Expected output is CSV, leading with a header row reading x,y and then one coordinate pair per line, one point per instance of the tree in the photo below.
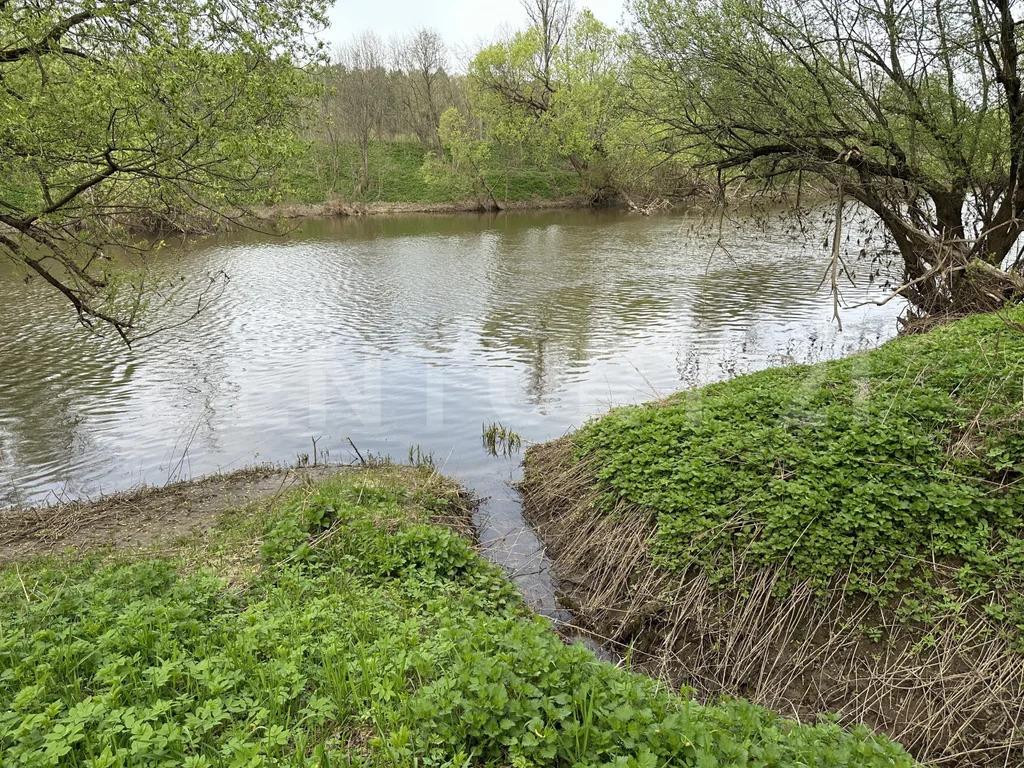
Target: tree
x,y
913,109
423,59
564,102
125,113
552,20
521,70
589,101
363,94
471,156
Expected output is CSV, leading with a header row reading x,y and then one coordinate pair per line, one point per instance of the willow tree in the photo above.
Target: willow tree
x,y
555,91
913,108
117,115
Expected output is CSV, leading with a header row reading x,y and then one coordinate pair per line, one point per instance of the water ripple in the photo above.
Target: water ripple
x,y
406,331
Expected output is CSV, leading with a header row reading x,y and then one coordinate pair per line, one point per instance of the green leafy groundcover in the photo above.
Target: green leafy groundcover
x,y
872,468
364,638
402,172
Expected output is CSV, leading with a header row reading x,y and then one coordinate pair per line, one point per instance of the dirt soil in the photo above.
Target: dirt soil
x,y
339,208
143,517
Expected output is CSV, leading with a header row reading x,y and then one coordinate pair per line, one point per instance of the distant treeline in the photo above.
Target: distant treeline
x,y
542,112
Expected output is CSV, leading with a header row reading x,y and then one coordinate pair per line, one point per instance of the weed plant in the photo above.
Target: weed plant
x,y
895,472
343,629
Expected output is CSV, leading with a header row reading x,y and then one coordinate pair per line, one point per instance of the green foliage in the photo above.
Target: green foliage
x,y
471,155
756,74
326,171
872,468
590,102
149,103
125,114
405,172
366,638
567,115
514,693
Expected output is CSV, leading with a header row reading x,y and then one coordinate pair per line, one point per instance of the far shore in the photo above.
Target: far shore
x,y
341,208
380,208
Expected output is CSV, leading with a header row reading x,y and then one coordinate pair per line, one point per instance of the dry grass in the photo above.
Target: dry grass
x,y
155,517
951,692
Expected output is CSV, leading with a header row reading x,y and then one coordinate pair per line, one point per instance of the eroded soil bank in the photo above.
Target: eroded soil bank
x,y
651,560
956,703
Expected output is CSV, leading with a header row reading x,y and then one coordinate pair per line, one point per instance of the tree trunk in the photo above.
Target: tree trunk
x,y
949,214
364,174
943,276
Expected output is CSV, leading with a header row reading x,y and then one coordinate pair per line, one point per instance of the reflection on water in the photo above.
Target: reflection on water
x,y
406,331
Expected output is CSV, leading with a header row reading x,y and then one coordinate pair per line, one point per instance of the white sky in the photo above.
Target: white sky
x,y
463,23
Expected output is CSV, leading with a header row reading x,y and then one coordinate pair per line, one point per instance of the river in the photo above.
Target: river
x,y
413,331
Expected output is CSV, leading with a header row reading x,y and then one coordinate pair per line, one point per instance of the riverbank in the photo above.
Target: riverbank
x,y
844,537
384,208
149,517
406,178
345,621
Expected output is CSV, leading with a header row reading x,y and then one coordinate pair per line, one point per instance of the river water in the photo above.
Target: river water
x,y
410,332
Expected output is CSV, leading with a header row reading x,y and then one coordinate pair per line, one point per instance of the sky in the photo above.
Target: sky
x,y
463,23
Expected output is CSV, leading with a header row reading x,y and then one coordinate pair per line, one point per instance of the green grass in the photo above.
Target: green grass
x,y
341,629
400,174
896,472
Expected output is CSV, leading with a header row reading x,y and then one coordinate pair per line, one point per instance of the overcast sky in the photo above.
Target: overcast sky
x,y
462,22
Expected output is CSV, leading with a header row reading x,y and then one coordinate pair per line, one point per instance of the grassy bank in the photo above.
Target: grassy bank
x,y
843,537
401,173
346,624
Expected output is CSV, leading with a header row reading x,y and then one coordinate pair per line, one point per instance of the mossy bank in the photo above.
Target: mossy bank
x,y
341,623
846,537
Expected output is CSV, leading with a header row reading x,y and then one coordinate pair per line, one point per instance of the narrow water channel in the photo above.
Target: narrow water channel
x,y
412,333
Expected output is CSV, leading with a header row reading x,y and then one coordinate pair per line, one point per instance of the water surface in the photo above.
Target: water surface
x,y
410,331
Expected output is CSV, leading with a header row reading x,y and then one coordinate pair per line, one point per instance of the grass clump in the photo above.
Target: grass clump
x,y
355,634
891,469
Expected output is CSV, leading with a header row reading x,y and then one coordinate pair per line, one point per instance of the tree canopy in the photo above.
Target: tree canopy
x,y
913,108
125,113
146,114
556,91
